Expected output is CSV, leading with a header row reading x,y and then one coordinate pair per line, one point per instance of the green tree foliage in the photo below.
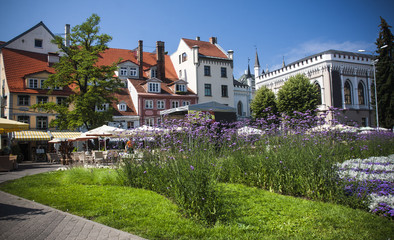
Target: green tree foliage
x,y
297,94
263,103
94,86
385,75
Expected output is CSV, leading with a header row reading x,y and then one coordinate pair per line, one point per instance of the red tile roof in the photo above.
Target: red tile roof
x,y
18,64
205,48
112,55
124,96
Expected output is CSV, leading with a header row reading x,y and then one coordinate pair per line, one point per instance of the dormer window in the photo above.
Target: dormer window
x,y
153,73
180,88
154,87
122,106
123,71
102,108
33,83
133,72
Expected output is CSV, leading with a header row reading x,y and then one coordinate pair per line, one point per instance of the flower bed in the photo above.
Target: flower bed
x,y
372,177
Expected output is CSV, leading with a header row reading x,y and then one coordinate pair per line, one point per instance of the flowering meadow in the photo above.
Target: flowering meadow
x,y
189,161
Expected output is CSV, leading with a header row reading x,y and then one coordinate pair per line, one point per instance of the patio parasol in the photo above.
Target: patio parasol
x,y
7,125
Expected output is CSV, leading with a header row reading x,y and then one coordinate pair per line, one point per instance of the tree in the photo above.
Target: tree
x,y
94,86
297,94
263,103
385,75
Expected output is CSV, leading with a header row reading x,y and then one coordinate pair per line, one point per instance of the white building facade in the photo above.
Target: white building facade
x,y
344,80
207,69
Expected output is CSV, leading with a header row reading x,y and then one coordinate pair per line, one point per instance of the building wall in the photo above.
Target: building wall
x,y
193,72
331,70
187,68
154,113
26,41
242,94
216,81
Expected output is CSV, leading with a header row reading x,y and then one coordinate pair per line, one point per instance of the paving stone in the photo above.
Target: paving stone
x,y
24,219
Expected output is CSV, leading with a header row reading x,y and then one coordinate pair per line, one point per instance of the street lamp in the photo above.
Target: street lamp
x,y
374,80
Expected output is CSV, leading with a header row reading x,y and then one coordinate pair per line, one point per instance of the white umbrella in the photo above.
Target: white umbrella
x,y
103,131
55,140
249,131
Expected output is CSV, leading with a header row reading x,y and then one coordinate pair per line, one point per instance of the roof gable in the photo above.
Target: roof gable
x,y
25,40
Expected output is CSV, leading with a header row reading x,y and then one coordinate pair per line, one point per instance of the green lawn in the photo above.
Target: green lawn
x,y
251,213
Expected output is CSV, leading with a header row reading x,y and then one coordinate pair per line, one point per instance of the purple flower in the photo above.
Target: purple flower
x,y
191,167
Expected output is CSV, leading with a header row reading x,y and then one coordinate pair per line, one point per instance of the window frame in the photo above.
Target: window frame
x,y
60,100
38,43
122,107
33,83
208,90
102,108
347,93
26,120
25,99
185,103
161,104
180,88
41,121
153,73
154,87
224,89
207,70
149,122
149,104
123,71
361,93
223,72
174,104
41,98
133,71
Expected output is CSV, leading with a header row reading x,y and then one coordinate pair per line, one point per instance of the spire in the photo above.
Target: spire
x,y
249,74
256,61
283,63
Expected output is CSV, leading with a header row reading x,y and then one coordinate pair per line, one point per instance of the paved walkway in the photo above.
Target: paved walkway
x,y
24,219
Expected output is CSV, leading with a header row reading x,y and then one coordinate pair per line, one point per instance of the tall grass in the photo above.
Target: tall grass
x,y
190,158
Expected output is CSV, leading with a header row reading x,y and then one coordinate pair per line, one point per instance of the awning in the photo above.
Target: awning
x,y
65,135
32,136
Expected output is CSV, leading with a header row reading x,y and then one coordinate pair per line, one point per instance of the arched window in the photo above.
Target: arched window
x,y
361,93
319,101
348,92
239,108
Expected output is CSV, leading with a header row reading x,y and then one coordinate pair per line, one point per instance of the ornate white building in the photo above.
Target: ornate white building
x,y
344,80
244,91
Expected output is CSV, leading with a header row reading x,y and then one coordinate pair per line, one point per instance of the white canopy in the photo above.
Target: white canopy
x,y
249,131
104,130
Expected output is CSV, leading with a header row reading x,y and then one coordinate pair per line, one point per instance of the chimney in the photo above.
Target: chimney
x,y
67,36
195,50
161,74
140,58
230,54
213,40
52,58
198,38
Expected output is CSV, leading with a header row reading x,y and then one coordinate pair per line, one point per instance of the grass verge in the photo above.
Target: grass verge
x,y
251,213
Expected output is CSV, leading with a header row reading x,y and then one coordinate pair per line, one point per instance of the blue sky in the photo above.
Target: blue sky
x,y
277,28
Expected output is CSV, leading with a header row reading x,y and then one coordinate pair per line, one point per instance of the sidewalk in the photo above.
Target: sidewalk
x,y
24,219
